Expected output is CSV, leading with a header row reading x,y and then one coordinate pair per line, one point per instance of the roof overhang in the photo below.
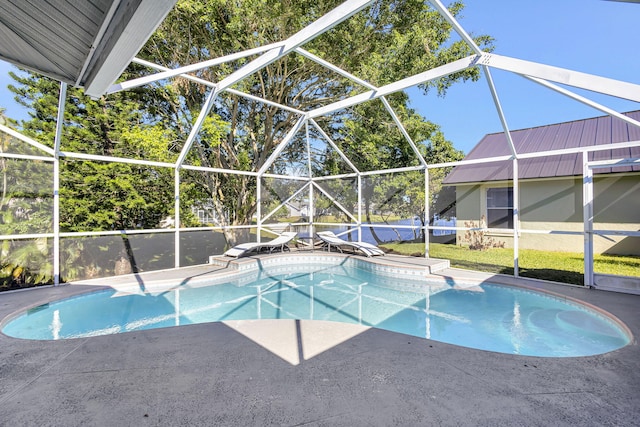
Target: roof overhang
x,y
86,44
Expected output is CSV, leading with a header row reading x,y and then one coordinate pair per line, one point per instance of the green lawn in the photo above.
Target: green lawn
x,y
563,267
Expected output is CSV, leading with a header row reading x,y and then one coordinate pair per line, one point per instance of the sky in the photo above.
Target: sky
x,y
591,36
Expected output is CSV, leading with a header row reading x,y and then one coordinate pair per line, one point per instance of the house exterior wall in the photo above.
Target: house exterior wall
x,y
556,204
469,204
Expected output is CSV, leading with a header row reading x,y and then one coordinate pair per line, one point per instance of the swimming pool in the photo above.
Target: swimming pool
x,y
482,316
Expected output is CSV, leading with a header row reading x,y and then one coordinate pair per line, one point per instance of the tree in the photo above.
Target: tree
x,y
391,39
25,208
372,141
97,195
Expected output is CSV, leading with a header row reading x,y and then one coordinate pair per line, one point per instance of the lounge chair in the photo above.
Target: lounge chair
x,y
280,242
331,239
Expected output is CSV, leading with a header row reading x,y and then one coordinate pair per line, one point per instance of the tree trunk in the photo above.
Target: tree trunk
x,y
368,216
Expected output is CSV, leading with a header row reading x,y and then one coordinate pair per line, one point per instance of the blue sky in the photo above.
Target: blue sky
x,y
592,36
13,110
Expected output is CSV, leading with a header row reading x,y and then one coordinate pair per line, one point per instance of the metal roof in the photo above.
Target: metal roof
x,y
85,43
580,133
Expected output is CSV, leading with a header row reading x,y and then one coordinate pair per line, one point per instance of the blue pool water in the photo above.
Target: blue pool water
x,y
488,317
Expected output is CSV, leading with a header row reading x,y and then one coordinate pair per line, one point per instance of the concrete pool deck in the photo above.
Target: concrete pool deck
x,y
287,372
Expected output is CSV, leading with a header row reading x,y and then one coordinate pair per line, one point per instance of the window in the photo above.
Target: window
x,y
500,207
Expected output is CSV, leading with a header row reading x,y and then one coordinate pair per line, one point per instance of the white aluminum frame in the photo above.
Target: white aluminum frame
x,y
541,74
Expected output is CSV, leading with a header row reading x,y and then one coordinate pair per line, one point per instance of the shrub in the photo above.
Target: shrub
x,y
478,239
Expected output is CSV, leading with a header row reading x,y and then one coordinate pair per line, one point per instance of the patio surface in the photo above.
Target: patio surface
x,y
291,373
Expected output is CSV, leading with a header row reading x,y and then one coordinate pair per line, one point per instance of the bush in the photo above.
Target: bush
x,y
477,239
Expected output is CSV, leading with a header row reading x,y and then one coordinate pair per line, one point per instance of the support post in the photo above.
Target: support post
x,y
516,218
312,209
259,207
310,173
56,184
587,217
427,213
176,214
359,207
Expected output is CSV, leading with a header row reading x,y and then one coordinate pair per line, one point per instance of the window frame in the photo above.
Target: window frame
x,y
490,207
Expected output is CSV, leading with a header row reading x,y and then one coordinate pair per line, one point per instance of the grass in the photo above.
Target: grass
x,y
334,219
566,267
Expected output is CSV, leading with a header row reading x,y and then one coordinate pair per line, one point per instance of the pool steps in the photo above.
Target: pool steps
x,y
394,265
